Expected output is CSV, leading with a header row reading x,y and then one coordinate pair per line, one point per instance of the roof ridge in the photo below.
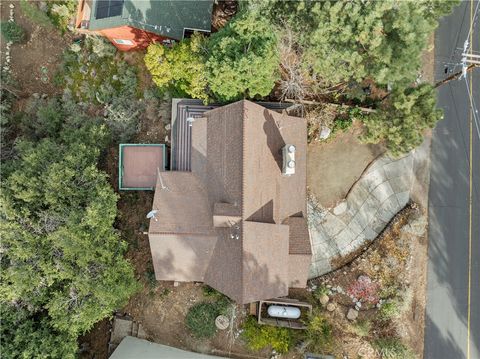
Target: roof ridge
x,y
243,198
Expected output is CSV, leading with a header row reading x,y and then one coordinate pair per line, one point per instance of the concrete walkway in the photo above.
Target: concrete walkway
x,y
383,190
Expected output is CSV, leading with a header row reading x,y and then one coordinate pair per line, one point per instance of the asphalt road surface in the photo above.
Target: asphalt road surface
x,y
452,328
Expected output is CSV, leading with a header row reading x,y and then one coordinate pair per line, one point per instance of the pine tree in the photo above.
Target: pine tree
x,y
62,260
243,58
403,119
354,40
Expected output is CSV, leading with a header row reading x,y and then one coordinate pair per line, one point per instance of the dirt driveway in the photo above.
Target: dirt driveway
x,y
333,166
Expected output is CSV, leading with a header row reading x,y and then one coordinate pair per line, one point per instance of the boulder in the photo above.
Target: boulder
x,y
324,133
352,314
324,299
340,208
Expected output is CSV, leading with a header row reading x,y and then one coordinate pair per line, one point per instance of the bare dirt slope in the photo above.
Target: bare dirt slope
x,y
35,62
334,166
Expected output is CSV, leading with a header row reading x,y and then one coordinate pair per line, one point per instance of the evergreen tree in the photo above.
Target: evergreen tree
x,y
30,335
402,119
181,67
243,58
62,260
354,40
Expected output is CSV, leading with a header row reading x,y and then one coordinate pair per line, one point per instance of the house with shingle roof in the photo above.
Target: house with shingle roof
x,y
235,220
134,24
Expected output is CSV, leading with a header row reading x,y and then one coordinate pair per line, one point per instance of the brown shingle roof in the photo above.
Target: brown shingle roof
x,y
299,239
265,253
181,257
182,205
236,175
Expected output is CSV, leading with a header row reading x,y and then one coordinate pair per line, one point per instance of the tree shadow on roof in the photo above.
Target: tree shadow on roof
x,y
275,140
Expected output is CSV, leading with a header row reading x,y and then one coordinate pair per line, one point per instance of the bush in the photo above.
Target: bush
x,y
342,124
320,291
389,310
200,320
364,289
122,117
240,60
96,74
362,328
319,334
262,336
393,348
61,12
43,118
181,67
13,32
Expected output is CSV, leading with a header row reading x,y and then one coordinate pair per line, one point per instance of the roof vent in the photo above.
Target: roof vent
x,y
288,152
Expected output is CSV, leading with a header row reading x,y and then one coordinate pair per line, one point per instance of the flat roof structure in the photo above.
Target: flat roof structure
x,y
139,165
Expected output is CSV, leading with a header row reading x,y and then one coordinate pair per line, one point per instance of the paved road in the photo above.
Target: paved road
x,y
452,236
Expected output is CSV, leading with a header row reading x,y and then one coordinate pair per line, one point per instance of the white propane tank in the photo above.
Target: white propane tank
x,y
280,311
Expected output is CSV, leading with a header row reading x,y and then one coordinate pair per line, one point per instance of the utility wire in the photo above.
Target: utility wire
x,y
472,27
473,106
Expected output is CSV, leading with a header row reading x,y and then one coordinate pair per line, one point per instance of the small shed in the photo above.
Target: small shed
x,y
139,165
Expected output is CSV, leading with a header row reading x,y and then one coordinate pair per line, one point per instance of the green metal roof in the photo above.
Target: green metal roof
x,y
163,17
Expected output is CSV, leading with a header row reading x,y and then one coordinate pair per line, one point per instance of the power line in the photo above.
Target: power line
x,y
473,23
473,106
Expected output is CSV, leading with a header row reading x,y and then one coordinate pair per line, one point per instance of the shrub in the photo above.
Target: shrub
x,y
122,117
7,99
213,293
388,310
200,320
96,74
319,334
13,32
61,12
262,336
43,118
150,277
393,348
181,67
364,289
320,291
362,327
